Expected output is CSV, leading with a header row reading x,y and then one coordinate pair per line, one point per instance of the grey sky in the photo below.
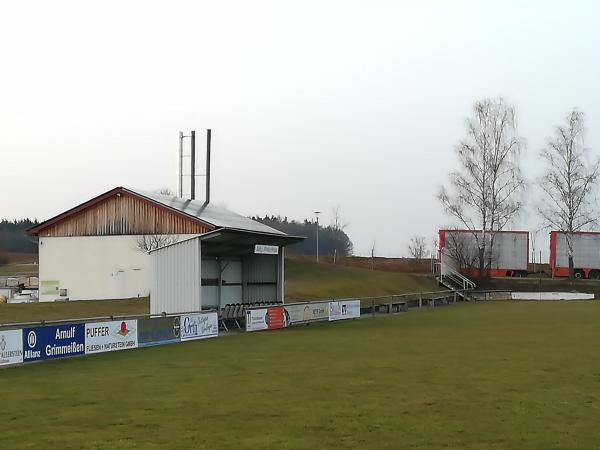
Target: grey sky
x,y
312,104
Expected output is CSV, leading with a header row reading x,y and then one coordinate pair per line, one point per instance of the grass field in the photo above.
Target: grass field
x,y
308,280
24,312
520,375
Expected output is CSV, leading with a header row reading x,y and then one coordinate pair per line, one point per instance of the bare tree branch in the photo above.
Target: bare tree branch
x,y
485,192
569,181
148,242
417,248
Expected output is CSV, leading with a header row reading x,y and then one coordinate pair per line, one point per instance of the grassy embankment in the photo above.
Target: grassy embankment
x,y
308,280
486,376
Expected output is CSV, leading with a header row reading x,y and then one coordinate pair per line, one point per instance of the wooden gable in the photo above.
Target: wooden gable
x,y
120,212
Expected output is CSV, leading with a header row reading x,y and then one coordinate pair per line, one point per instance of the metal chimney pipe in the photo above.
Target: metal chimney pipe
x,y
208,135
180,175
193,168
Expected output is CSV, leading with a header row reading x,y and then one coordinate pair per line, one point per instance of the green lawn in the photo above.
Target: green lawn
x,y
498,375
308,280
24,312
18,270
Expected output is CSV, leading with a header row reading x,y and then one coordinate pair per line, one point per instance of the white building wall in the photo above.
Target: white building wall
x,y
93,267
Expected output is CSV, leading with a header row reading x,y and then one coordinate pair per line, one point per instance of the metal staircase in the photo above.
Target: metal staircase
x,y
453,280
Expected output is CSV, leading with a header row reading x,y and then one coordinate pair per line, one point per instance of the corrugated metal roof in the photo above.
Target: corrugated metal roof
x,y
212,214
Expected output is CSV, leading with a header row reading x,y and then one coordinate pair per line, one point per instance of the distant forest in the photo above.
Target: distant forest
x,y
331,237
13,237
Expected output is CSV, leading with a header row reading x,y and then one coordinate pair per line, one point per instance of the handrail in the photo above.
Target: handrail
x,y
455,276
98,319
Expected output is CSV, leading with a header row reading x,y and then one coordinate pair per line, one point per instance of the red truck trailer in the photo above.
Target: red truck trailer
x,y
510,253
586,254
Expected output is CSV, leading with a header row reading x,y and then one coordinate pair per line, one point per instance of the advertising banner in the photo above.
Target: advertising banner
x,y
270,318
110,336
158,331
199,326
11,347
306,312
344,309
51,342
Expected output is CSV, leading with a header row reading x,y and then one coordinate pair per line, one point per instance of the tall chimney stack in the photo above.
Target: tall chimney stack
x,y
180,177
208,166
193,164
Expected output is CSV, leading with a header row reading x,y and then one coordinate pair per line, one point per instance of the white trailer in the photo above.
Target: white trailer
x,y
509,253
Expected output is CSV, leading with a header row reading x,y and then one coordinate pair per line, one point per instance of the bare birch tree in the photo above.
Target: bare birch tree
x,y
339,240
484,194
148,242
417,248
569,182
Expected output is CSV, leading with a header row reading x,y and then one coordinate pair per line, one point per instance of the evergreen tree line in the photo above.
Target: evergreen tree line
x,y
13,236
332,239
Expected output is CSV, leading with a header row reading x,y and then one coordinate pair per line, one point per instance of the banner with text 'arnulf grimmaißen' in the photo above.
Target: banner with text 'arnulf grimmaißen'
x,y
199,326
110,336
11,347
344,309
306,312
269,318
53,341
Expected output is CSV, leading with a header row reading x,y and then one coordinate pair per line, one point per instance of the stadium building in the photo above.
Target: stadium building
x,y
101,249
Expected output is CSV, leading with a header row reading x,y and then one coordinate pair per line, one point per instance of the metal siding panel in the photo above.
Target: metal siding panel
x,y
586,251
511,249
262,293
262,269
175,280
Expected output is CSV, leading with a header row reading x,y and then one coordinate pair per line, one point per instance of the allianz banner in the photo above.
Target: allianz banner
x,y
306,312
11,347
110,336
158,331
199,326
344,309
53,342
270,318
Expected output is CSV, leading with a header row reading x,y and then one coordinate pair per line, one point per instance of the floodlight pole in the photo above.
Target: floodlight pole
x,y
317,214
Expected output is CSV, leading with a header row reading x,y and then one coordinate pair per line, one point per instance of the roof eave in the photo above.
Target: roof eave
x,y
34,231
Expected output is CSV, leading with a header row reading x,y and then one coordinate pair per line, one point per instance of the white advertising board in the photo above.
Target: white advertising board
x,y
551,296
261,249
110,336
199,326
306,312
344,309
11,347
269,318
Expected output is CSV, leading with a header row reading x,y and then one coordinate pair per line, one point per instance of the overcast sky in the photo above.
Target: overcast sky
x,y
312,104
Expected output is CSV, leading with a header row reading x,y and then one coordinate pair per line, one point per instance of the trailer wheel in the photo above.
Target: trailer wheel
x,y
579,274
594,275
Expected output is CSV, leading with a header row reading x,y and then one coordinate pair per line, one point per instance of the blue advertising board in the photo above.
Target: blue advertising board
x,y
158,331
51,342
